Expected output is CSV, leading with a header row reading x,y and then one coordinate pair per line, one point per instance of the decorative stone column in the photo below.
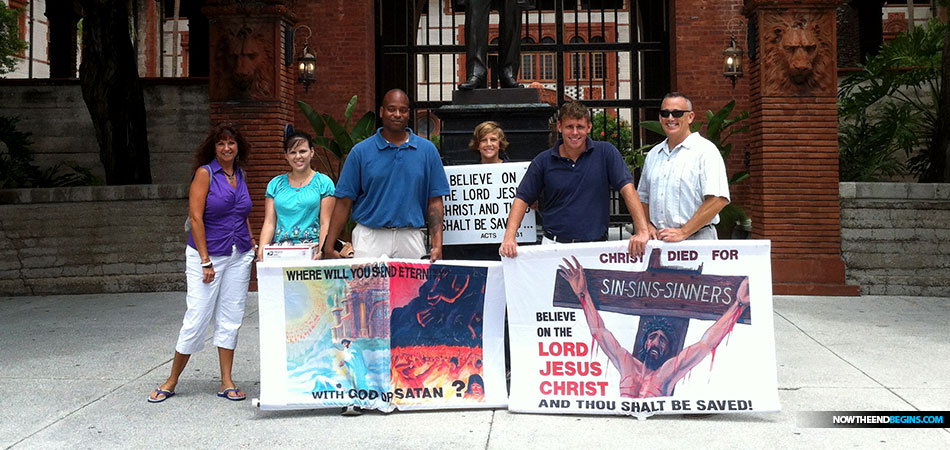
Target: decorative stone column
x,y
249,84
794,143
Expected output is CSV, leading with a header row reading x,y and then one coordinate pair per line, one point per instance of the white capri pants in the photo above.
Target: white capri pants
x,y
224,297
406,243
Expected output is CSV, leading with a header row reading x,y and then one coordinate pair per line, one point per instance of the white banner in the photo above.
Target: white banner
x,y
476,210
686,329
382,334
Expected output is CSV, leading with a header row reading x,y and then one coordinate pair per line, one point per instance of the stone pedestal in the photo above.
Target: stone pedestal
x,y
793,145
519,112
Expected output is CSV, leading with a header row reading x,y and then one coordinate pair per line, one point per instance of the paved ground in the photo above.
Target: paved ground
x,y
75,372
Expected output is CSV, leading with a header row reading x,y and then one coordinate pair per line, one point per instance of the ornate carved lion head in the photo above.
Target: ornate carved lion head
x,y
798,54
243,56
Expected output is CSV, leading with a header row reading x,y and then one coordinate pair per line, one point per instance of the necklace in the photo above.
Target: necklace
x,y
299,184
229,175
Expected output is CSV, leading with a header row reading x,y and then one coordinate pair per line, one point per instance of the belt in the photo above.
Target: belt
x,y
388,228
392,228
564,240
708,225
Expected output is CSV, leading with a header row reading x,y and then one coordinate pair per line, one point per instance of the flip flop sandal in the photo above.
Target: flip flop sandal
x,y
224,394
158,391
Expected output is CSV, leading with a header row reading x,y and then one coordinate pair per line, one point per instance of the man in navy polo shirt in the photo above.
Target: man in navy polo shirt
x,y
394,183
573,180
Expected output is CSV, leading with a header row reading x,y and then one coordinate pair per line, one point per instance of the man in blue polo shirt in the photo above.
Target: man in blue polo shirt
x,y
394,183
573,180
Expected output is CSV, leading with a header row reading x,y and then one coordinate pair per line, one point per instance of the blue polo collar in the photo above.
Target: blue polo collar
x,y
382,144
557,144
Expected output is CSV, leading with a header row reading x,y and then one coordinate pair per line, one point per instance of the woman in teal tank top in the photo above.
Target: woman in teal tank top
x,y
298,204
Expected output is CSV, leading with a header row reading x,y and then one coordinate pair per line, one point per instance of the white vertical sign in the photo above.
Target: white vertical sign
x,y
476,209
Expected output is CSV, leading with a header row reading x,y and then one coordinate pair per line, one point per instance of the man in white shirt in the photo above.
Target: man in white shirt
x,y
684,185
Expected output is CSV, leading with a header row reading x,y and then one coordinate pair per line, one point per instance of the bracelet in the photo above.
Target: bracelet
x,y
207,264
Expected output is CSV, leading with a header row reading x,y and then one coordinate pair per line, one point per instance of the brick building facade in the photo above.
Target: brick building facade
x,y
791,151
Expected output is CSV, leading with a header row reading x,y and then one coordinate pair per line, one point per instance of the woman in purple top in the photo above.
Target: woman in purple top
x,y
218,257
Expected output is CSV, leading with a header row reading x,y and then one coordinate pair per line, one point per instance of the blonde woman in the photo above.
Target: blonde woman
x,y
488,140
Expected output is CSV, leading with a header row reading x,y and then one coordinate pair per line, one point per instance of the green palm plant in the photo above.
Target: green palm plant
x,y
18,171
889,107
342,138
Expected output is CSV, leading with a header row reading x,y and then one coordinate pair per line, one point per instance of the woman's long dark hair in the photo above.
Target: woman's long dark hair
x,y
205,152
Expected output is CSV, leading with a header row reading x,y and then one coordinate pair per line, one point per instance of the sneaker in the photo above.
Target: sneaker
x,y
352,411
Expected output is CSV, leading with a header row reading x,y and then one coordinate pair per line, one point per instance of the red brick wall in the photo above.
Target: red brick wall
x,y
699,34
343,42
799,192
151,40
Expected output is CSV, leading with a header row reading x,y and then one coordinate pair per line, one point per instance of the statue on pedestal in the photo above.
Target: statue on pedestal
x,y
476,41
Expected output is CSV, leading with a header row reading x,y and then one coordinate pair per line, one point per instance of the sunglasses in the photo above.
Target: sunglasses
x,y
676,113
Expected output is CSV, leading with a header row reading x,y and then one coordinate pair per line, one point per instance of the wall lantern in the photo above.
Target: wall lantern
x,y
306,62
732,56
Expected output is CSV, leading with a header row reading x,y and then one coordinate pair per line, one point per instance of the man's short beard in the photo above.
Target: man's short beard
x,y
655,324
649,361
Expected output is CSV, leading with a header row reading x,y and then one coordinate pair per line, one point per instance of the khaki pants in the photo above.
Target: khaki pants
x,y
408,243
705,233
